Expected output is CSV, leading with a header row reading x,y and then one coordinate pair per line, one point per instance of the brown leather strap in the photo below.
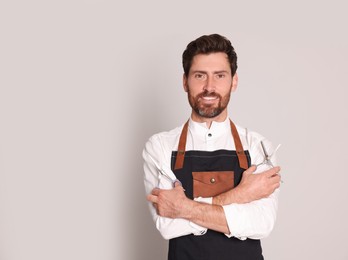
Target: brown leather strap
x,y
179,163
243,162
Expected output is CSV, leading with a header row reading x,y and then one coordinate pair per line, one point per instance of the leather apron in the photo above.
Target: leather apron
x,y
206,174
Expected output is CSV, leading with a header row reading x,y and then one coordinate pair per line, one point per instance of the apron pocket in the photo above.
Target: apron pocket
x,y
210,184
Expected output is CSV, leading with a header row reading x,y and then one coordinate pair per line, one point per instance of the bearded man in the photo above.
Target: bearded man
x,y
209,192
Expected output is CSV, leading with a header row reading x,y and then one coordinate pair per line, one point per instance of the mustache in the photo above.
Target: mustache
x,y
206,93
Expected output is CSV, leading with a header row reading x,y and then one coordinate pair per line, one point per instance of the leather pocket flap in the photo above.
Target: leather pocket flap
x,y
209,184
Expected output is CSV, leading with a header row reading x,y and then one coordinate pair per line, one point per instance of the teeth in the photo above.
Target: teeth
x,y
209,98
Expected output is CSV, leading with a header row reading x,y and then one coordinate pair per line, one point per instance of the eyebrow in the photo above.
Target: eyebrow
x,y
220,71
205,72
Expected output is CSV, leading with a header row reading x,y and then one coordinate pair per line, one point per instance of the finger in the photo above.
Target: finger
x,y
272,171
155,191
251,169
273,185
177,183
275,175
276,186
152,198
275,180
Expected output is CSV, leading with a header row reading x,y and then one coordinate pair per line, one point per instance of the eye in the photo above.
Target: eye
x,y
200,76
220,75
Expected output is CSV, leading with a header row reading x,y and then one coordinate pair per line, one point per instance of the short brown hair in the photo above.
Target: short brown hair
x,y
207,44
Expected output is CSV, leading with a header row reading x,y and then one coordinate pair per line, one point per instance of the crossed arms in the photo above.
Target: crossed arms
x,y
247,211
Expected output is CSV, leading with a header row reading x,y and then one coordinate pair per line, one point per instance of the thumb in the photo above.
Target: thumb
x,y
177,183
250,170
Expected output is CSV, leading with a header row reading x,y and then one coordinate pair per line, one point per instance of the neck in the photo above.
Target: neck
x,y
219,118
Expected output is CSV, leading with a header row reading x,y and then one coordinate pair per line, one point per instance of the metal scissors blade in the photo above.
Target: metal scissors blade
x,y
162,172
264,149
267,157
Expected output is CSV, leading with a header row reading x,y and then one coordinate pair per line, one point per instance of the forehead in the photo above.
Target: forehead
x,y
210,62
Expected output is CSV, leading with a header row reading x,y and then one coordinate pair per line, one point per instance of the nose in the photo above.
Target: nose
x,y
209,84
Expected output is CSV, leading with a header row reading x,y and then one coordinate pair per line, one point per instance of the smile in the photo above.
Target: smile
x,y
210,98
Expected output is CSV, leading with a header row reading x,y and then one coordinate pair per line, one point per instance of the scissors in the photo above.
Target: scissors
x,y
267,157
169,176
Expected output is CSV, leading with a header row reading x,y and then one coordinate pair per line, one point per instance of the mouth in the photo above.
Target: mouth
x,y
210,97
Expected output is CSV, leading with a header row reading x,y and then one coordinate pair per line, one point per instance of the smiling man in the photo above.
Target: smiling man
x,y
209,84
205,193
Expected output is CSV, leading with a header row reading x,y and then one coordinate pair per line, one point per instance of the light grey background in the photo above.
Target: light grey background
x,y
83,85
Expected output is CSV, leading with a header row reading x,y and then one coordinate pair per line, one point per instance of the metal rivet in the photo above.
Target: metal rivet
x,y
212,180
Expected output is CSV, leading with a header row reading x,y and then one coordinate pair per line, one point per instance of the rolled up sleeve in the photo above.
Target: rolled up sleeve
x,y
256,219
168,228
252,220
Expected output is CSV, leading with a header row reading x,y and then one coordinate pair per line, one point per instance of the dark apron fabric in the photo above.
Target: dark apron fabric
x,y
212,245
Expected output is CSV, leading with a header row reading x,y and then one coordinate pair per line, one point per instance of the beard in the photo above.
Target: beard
x,y
208,110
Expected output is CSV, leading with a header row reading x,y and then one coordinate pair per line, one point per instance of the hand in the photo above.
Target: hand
x,y
169,203
251,187
257,186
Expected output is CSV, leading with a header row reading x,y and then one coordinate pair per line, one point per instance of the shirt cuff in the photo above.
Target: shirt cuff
x,y
204,200
200,230
237,224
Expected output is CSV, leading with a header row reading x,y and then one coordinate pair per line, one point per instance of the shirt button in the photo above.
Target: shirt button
x,y
212,180
209,135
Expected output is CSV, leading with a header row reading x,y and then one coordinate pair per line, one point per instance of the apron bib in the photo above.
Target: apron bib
x,y
207,174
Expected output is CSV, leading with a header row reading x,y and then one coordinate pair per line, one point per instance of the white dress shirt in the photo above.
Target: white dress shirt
x,y
250,220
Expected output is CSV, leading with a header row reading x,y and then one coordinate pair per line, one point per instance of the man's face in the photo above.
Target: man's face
x,y
209,84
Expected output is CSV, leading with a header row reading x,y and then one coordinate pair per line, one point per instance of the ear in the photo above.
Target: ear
x,y
184,82
234,82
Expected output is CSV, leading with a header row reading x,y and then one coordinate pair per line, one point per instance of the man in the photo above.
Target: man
x,y
217,208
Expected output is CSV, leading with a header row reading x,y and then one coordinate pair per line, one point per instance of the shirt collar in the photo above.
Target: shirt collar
x,y
216,128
